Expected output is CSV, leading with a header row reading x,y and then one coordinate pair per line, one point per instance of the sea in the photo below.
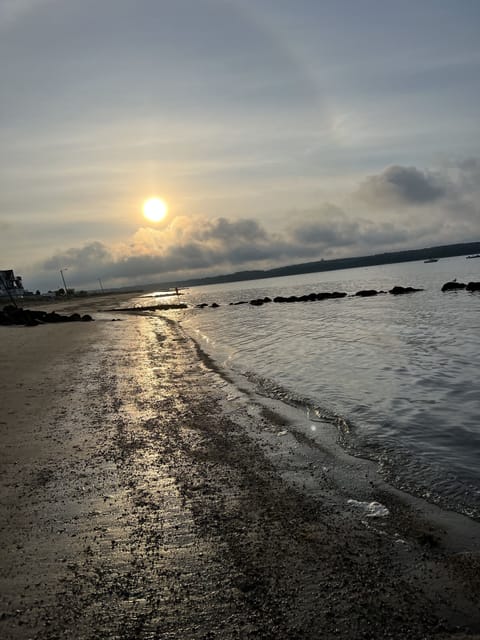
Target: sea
x,y
396,377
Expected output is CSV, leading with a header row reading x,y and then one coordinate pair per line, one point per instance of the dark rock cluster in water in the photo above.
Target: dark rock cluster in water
x,y
31,318
397,291
455,286
328,295
312,297
368,293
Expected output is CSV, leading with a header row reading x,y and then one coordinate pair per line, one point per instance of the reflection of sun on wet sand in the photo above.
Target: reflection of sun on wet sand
x,y
138,502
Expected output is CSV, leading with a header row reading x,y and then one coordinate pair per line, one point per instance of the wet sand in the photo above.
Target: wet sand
x,y
144,496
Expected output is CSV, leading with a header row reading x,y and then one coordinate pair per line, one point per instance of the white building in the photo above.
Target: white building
x,y
10,285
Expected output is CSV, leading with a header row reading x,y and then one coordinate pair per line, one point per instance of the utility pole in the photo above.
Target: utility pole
x,y
63,280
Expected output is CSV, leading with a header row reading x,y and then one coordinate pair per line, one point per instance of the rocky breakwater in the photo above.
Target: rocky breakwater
x,y
329,295
314,297
395,291
456,286
310,297
11,315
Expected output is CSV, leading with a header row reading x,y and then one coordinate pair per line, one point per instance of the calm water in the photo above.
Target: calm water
x,y
399,377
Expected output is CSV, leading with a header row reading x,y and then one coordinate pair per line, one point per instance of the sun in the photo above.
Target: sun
x,y
155,209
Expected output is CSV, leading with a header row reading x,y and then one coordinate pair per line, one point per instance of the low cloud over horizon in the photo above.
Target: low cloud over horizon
x,y
415,208
277,132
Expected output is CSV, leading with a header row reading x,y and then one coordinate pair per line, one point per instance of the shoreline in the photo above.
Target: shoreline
x,y
144,495
320,434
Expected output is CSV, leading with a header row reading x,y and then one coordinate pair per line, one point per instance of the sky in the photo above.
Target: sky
x,y
277,131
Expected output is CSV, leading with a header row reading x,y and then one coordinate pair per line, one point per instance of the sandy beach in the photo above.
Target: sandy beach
x,y
144,495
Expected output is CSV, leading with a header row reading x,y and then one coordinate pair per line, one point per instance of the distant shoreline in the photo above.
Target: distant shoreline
x,y
396,257
411,255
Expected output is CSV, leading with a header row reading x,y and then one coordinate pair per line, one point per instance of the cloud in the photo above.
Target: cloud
x,y
13,10
238,230
339,231
78,258
469,176
446,200
407,186
195,246
330,228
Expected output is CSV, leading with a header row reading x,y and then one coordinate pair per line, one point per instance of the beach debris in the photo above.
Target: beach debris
x,y
372,509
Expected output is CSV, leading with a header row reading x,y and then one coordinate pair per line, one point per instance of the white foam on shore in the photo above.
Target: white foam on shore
x,y
371,509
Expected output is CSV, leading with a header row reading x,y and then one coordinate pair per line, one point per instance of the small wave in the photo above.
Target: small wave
x,y
397,465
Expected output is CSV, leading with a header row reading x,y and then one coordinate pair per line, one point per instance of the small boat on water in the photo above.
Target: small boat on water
x,y
470,257
431,260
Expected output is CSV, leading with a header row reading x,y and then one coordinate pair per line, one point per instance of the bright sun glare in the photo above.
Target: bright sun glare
x,y
155,209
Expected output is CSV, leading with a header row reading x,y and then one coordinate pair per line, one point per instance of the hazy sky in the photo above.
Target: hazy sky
x,y
278,131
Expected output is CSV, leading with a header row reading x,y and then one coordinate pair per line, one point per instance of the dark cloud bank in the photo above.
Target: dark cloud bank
x,y
218,246
404,186
418,208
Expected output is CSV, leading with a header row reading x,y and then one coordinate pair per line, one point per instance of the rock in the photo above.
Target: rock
x,y
280,299
473,286
32,318
87,318
311,297
367,293
453,286
53,317
256,303
31,322
214,305
202,305
396,291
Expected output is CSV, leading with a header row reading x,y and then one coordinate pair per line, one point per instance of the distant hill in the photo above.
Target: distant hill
x,y
445,251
